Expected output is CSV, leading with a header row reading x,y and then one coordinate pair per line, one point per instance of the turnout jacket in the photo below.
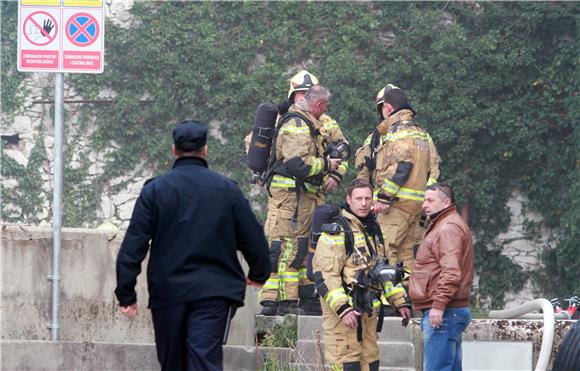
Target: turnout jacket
x,y
405,162
304,158
443,269
330,132
192,221
334,271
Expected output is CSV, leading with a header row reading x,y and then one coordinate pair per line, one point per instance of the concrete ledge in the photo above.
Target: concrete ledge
x,y
69,355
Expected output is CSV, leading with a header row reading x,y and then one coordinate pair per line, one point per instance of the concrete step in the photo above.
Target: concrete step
x,y
312,367
392,354
392,329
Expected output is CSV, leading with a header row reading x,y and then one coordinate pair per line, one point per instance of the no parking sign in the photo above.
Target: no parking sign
x,y
61,36
83,42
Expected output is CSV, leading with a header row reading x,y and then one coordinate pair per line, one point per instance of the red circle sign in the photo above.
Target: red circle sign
x,y
36,33
82,29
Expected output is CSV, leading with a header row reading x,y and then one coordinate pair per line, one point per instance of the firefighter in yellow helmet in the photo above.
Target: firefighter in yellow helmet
x,y
302,174
400,160
341,274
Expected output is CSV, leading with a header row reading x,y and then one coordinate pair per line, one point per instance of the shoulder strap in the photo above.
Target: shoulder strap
x,y
313,131
348,234
375,140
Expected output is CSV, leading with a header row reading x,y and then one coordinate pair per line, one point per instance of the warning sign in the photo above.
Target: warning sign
x,y
83,43
82,29
39,39
55,38
40,28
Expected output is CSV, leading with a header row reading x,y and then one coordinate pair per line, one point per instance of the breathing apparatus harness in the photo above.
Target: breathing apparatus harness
x,y
276,166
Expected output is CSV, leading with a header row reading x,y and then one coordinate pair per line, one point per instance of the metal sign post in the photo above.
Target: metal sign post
x,y
57,201
60,36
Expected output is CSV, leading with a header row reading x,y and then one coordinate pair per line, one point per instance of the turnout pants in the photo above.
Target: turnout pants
x,y
401,232
189,336
288,245
342,351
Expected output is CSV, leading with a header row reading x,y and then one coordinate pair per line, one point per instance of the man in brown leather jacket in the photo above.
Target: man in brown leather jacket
x,y
441,280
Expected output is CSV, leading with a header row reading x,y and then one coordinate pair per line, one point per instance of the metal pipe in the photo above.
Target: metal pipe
x,y
548,335
562,315
57,201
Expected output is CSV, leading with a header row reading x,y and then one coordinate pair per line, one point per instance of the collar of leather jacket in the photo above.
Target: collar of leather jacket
x,y
387,124
185,161
440,215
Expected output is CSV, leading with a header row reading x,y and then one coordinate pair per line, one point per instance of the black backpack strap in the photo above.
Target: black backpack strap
x,y
348,234
381,318
375,141
273,164
313,131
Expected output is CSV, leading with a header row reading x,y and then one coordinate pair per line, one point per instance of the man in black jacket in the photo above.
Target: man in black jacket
x,y
196,221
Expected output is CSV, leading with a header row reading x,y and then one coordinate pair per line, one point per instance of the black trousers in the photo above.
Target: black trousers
x,y
189,336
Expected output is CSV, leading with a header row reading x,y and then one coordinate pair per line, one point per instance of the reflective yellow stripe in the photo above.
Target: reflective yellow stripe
x,y
302,273
272,283
390,187
407,134
375,196
333,296
431,181
407,193
317,166
376,303
359,238
292,129
282,268
289,277
343,168
331,240
332,124
367,141
390,290
312,188
279,181
411,194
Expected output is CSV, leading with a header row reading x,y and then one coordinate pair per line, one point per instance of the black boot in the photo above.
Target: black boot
x,y
311,306
289,307
309,300
269,308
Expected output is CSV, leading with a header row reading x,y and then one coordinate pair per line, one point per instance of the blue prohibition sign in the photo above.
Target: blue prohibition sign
x,y
82,29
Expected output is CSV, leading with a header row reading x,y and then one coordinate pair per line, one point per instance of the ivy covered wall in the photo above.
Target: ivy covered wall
x,y
496,85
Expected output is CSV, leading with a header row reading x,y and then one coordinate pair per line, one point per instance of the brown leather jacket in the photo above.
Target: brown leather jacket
x,y
443,269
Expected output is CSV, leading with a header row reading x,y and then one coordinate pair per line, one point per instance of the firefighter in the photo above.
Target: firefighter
x,y
288,290
350,337
400,160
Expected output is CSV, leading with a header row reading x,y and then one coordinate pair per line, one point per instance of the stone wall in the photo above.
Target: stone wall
x,y
114,208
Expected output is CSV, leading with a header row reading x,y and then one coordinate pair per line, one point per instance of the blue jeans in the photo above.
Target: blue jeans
x,y
442,346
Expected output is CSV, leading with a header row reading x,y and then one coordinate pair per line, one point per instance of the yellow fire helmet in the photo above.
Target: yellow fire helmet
x,y
381,96
302,81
